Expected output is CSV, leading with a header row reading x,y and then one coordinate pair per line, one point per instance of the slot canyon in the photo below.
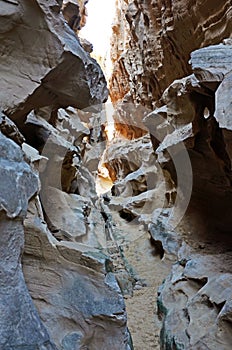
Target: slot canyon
x,y
116,175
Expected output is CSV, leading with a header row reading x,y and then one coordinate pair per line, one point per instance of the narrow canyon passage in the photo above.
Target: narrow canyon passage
x,y
139,271
115,175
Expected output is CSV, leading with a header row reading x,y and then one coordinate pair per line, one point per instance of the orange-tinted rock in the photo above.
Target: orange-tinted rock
x,y
152,42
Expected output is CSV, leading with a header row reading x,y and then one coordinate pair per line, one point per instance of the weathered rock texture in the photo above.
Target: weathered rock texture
x,y
152,42
77,298
172,60
66,269
170,162
75,13
20,325
71,299
192,120
202,310
53,69
195,302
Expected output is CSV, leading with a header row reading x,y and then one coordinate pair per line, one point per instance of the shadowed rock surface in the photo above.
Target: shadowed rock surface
x,y
71,299
154,252
52,68
174,59
20,324
152,42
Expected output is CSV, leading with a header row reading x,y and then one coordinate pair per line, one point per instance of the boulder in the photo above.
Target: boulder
x,y
45,56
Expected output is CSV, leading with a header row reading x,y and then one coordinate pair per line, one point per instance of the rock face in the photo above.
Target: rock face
x,y
65,264
150,38
71,299
53,69
75,12
196,303
77,297
172,61
20,325
187,206
69,256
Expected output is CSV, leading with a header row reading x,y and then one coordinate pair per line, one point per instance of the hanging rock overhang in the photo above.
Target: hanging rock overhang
x,y
42,61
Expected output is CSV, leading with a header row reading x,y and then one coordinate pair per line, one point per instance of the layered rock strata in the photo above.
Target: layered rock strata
x,y
152,42
53,69
187,208
71,299
20,324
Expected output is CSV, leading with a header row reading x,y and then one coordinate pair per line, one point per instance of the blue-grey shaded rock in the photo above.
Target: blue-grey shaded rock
x,y
18,183
210,64
77,298
20,325
71,341
223,107
195,303
44,55
169,241
223,102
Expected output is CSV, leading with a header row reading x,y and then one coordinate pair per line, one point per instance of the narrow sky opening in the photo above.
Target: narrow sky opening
x,y
98,30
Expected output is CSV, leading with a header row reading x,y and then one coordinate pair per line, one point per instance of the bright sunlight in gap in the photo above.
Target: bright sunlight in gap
x,y
98,29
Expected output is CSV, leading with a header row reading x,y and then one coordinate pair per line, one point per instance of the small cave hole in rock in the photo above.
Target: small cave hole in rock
x,y
128,216
158,247
198,283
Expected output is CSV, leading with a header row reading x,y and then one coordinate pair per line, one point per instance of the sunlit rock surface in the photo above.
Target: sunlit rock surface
x,y
187,209
152,42
52,68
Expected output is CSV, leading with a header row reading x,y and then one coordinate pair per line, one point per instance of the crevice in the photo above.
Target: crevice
x,y
159,250
127,215
220,306
198,283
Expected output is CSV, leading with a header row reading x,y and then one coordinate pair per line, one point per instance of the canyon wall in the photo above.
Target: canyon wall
x,y
171,163
57,287
154,252
152,42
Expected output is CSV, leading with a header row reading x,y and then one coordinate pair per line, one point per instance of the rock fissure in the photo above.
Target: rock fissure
x,y
147,263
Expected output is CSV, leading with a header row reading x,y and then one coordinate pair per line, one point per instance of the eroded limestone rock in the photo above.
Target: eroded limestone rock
x,y
75,12
152,42
190,131
195,300
9,129
223,110
52,68
189,301
20,325
76,295
210,64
